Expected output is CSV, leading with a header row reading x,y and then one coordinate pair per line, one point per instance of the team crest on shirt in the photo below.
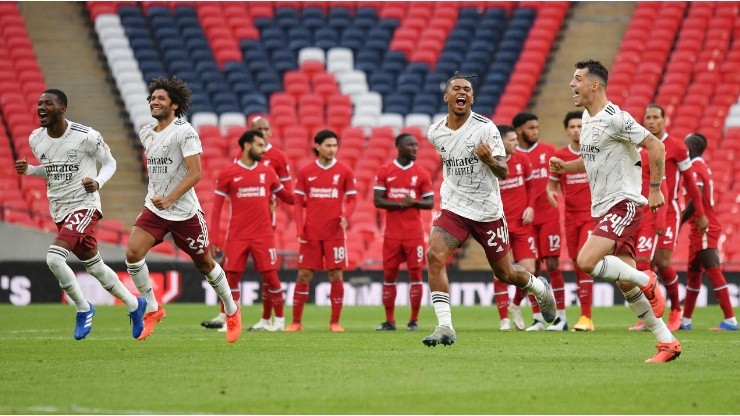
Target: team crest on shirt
x,y
262,178
518,168
165,148
71,155
413,180
542,158
335,181
266,162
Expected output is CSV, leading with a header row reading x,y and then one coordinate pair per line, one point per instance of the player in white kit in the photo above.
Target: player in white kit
x,y
473,160
68,153
172,148
613,166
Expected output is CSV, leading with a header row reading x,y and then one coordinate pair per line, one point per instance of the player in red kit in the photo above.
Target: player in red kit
x,y
703,253
321,219
577,213
402,188
546,221
518,199
278,161
249,186
677,167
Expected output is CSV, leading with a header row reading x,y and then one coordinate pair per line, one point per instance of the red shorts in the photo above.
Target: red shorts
x,y
620,224
492,236
576,234
667,241
522,241
323,255
191,235
548,238
703,241
647,240
396,252
78,230
263,253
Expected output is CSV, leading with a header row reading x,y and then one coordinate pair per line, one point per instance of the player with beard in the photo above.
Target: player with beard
x,y
249,186
546,223
172,148
473,162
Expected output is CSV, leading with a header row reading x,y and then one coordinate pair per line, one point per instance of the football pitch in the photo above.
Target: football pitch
x,y
186,369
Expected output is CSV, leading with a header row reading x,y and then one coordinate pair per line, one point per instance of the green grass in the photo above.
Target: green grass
x,y
184,368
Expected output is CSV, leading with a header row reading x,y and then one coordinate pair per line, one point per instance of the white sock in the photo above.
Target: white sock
x,y
535,286
56,259
441,302
217,279
280,321
612,268
685,321
139,273
538,316
731,321
561,315
109,279
641,307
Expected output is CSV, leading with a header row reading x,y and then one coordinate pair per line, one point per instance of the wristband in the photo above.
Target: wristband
x,y
655,185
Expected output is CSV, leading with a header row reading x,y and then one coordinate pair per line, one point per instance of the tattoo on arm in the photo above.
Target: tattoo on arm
x,y
658,167
499,168
450,241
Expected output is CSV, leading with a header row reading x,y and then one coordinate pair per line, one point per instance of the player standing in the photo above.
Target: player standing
x,y
172,148
249,187
321,189
703,252
472,162
546,223
677,167
402,188
519,200
577,213
68,153
611,161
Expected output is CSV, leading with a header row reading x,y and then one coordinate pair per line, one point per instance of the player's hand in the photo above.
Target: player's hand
x,y
90,185
162,202
301,240
702,223
528,215
659,231
552,196
217,253
273,204
483,151
343,222
655,199
21,166
557,166
407,202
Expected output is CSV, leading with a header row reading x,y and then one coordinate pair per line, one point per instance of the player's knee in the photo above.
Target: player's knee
x,y
586,262
661,261
304,275
436,258
204,265
552,264
134,255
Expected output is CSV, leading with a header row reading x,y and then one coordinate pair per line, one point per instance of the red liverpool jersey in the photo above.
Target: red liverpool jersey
x,y
516,193
276,159
324,189
539,157
397,182
676,161
249,190
576,191
703,176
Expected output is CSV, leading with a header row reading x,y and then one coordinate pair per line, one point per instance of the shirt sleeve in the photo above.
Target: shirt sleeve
x,y
222,183
349,183
380,184
190,143
493,138
627,129
103,154
425,185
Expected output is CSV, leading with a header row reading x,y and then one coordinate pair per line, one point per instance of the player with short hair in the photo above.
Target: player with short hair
x,y
277,160
68,153
677,167
172,148
611,161
402,188
577,213
472,162
321,219
519,201
249,186
546,223
703,252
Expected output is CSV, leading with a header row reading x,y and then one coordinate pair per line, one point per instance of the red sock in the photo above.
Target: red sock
x,y
389,294
336,294
300,296
233,278
519,296
585,291
416,291
720,291
670,281
693,285
558,288
266,303
501,296
274,296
